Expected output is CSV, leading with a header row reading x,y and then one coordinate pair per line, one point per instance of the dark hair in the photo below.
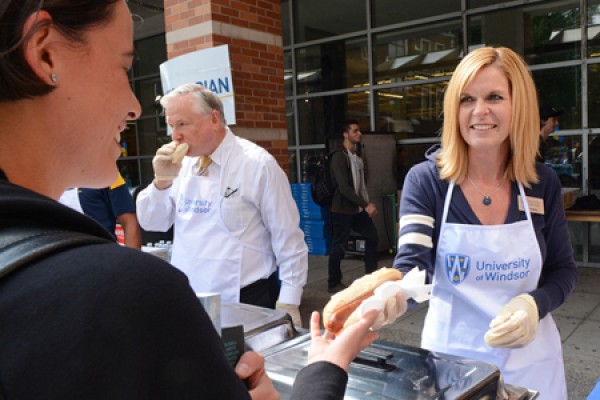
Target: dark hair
x,y
70,17
346,124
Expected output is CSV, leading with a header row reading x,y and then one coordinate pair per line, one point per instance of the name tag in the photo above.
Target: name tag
x,y
536,205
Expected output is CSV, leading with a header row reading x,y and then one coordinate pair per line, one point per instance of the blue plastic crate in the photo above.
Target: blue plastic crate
x,y
300,188
315,228
305,200
315,213
317,242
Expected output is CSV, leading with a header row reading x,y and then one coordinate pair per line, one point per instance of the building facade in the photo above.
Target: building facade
x,y
301,66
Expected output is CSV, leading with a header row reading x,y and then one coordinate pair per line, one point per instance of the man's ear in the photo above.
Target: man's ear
x,y
215,117
38,49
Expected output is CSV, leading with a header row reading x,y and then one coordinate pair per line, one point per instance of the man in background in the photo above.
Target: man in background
x,y
230,203
350,206
108,206
549,123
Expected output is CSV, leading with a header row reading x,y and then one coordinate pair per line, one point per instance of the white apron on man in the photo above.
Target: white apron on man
x,y
211,235
478,269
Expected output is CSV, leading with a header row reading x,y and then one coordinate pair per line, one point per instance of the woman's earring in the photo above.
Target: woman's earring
x,y
53,78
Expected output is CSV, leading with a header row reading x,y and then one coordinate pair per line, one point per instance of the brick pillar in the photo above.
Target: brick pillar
x,y
252,29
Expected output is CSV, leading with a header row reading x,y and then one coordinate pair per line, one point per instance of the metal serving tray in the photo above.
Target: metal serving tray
x,y
394,371
263,327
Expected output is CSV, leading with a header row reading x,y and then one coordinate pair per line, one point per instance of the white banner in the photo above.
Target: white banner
x,y
209,68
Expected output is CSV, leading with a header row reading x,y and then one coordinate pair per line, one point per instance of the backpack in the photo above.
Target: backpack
x,y
322,187
20,246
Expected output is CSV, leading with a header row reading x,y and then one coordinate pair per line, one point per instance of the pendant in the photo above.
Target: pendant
x,y
487,200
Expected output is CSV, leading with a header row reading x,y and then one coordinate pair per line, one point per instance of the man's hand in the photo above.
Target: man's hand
x,y
515,325
293,310
371,209
251,368
167,163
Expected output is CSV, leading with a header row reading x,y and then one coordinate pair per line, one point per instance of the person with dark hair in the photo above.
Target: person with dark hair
x,y
350,206
548,124
100,321
486,221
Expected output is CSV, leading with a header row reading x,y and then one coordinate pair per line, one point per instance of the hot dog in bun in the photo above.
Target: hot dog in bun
x,y
180,152
344,303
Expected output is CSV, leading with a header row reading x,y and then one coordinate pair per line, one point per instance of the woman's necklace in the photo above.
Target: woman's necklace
x,y
487,198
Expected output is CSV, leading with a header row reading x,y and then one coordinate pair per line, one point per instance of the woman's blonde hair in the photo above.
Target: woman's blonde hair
x,y
525,121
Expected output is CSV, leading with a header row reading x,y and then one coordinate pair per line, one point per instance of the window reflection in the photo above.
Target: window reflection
x,y
319,118
318,19
594,164
407,156
285,22
146,91
593,28
561,88
417,54
331,66
593,98
542,33
292,166
411,112
149,54
564,155
288,73
144,136
386,12
151,135
289,118
129,172
310,161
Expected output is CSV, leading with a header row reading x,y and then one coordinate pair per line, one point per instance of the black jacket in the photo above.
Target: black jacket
x,y
104,321
345,200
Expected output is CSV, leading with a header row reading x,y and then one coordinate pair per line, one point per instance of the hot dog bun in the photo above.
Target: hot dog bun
x,y
342,304
180,152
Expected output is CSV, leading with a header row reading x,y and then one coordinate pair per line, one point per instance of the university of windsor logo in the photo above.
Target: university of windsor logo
x,y
457,267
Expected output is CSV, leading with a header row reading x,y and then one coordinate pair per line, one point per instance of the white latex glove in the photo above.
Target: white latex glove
x,y
293,310
167,161
394,308
515,325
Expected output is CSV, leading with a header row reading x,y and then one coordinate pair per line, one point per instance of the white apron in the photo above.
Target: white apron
x,y
478,269
207,250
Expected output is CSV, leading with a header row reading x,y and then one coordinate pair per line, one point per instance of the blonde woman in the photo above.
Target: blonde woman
x,y
499,265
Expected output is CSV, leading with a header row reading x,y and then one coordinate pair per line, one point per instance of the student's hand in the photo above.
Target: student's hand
x,y
251,368
342,349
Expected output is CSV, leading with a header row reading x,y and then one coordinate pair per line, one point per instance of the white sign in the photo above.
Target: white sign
x,y
209,68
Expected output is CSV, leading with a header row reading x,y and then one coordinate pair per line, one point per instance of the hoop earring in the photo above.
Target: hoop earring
x,y
53,78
